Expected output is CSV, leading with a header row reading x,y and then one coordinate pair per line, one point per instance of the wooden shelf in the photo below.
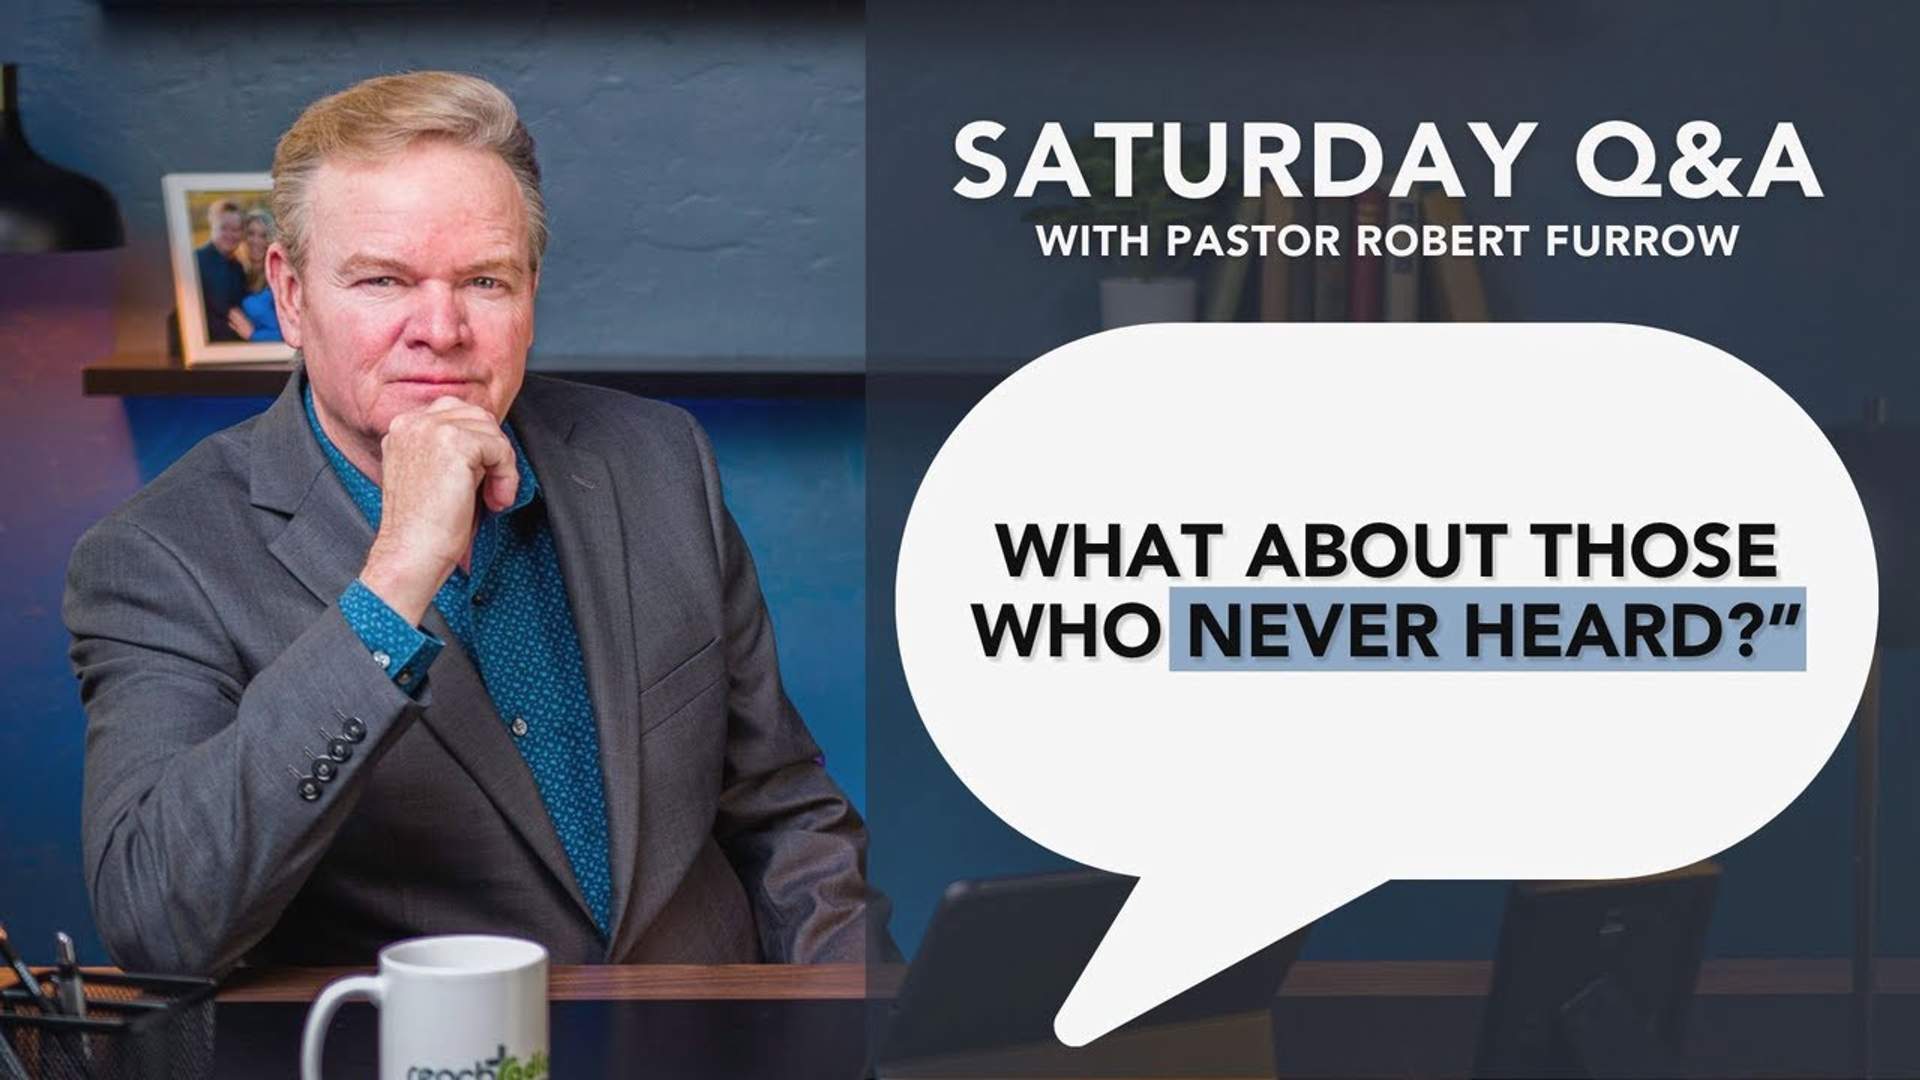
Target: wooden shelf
x,y
161,376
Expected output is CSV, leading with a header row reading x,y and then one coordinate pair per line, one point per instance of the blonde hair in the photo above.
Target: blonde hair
x,y
383,116
256,262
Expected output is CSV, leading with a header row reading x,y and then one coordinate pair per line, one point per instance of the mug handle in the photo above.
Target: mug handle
x,y
340,991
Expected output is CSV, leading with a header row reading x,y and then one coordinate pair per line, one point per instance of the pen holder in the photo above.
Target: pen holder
x,y
137,1027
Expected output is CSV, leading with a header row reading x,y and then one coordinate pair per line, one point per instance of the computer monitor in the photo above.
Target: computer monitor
x,y
1001,954
1594,978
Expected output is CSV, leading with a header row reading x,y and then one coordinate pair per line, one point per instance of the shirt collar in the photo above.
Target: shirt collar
x,y
366,494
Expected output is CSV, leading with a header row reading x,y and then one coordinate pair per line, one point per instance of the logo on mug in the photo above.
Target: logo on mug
x,y
501,1066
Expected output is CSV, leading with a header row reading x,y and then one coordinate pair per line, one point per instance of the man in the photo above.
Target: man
x,y
223,281
377,664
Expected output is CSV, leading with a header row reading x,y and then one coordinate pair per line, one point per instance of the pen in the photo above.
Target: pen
x,y
73,994
27,981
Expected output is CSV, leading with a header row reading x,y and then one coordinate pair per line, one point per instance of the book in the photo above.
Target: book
x,y
1458,292
1330,270
1230,275
1277,272
1403,271
1364,271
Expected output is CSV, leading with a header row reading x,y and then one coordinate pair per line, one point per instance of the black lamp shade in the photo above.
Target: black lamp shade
x,y
44,207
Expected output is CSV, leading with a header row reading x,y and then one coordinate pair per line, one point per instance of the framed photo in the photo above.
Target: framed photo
x,y
219,226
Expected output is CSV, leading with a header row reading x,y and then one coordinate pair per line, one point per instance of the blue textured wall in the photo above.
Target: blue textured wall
x,y
705,179
704,174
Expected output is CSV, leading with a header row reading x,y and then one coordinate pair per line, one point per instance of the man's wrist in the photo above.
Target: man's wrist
x,y
405,585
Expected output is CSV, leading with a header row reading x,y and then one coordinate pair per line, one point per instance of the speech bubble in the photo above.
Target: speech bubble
x,y
1251,801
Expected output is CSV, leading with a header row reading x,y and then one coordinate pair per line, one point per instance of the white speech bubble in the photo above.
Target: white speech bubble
x,y
1252,802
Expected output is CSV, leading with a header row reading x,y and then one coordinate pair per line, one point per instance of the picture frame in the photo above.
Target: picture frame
x,y
218,227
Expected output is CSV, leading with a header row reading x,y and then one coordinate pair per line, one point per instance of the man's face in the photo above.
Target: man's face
x,y
417,286
226,232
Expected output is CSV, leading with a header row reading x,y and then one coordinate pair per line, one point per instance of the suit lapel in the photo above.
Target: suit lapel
x,y
584,516
463,717
323,546
327,539
326,542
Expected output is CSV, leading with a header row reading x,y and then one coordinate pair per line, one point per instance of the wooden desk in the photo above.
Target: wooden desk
x,y
1760,1018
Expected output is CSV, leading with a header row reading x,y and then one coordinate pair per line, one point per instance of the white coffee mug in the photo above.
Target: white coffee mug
x,y
469,1005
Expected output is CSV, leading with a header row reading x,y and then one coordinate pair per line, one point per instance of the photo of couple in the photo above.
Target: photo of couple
x,y
222,225
230,264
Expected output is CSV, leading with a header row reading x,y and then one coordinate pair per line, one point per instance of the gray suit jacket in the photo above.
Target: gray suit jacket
x,y
214,664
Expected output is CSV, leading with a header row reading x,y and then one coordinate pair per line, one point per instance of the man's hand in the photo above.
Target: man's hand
x,y
240,323
432,464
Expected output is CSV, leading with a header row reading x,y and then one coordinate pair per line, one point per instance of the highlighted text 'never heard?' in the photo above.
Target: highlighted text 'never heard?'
x,y
1399,627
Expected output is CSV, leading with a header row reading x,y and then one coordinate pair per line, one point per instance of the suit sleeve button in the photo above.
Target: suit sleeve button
x,y
339,749
324,770
309,788
355,729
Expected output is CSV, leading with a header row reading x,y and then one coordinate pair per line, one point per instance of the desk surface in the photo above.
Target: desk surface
x,y
1785,1017
846,982
650,982
1750,1017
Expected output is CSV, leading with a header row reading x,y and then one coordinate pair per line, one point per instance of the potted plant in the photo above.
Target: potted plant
x,y
1151,287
